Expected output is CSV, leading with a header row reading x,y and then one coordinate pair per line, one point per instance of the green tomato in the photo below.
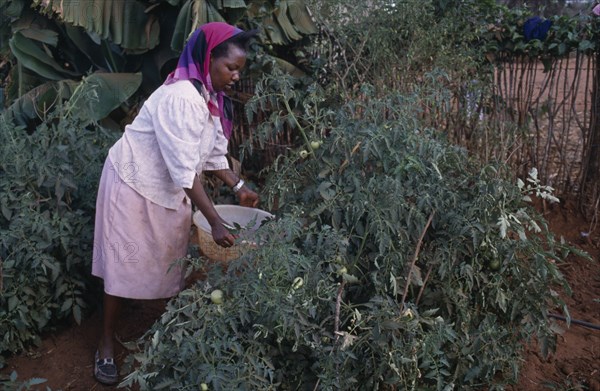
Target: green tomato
x,y
204,387
315,144
216,296
495,265
303,154
298,282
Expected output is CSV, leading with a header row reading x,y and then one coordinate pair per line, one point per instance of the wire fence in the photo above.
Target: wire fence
x,y
552,102
539,114
535,114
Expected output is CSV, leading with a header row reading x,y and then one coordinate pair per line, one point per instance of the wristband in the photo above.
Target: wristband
x,y
238,186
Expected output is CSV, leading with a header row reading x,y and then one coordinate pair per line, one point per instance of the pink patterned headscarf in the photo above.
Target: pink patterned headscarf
x,y
194,65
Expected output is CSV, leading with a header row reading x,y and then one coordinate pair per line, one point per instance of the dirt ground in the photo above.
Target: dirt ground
x,y
65,358
576,363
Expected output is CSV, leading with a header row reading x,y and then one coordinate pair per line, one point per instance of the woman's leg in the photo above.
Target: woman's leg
x,y
105,369
111,312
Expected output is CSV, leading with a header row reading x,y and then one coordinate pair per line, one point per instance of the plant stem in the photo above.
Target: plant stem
x,y
414,260
423,286
338,304
302,132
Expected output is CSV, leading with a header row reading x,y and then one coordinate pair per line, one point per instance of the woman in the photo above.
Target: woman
x,y
143,210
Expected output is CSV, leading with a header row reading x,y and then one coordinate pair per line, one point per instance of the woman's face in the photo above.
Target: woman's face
x,y
225,71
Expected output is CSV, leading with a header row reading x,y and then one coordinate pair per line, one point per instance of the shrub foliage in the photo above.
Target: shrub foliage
x,y
48,188
394,263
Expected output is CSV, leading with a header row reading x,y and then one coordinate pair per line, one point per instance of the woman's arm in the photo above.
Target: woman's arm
x,y
220,234
246,196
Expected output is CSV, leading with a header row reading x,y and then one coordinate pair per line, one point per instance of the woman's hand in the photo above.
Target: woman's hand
x,y
199,197
222,236
247,197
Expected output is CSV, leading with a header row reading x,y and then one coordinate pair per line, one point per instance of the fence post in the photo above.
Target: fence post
x,y
591,159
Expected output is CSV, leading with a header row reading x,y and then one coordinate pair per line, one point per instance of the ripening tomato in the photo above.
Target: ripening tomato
x,y
216,296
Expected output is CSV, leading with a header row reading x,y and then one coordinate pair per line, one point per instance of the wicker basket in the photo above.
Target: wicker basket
x,y
232,214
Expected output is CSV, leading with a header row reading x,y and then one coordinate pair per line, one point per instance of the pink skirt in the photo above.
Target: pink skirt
x,y
137,241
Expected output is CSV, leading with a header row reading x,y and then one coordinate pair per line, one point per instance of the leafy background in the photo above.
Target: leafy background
x,y
394,249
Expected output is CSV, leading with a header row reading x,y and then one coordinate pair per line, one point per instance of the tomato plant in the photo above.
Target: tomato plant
x,y
375,273
391,229
47,200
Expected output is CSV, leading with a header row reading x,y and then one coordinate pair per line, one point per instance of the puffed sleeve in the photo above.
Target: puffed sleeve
x,y
216,159
181,126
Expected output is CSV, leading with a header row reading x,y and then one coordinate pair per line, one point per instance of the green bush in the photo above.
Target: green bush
x,y
12,383
48,187
394,263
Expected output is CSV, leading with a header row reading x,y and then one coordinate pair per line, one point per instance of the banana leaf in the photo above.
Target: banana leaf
x,y
301,18
156,66
46,36
124,22
289,68
20,80
86,46
212,15
91,99
32,27
281,14
40,100
199,13
100,93
183,26
12,8
193,14
37,58
234,4
273,31
284,22
233,10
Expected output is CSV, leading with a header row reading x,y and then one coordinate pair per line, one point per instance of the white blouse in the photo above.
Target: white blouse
x,y
172,139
